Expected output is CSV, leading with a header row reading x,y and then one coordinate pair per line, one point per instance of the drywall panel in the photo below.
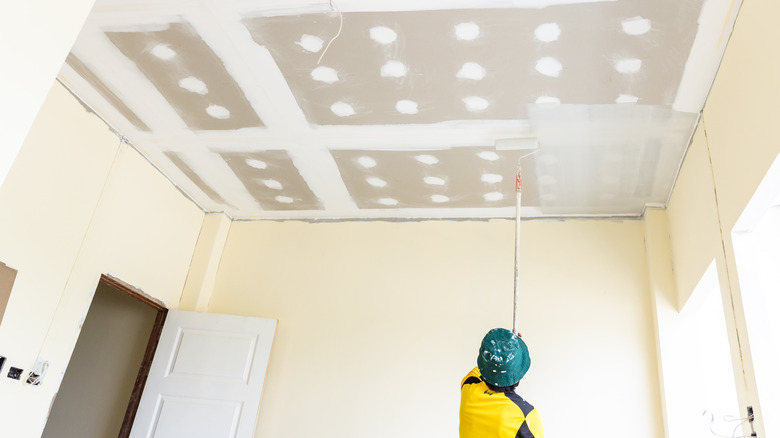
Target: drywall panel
x,y
96,389
379,322
35,37
742,111
693,219
78,204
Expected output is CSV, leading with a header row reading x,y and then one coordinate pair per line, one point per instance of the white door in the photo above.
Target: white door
x,y
206,377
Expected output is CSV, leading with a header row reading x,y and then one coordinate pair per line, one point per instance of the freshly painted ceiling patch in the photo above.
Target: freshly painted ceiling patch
x,y
549,66
163,52
488,156
471,70
367,162
284,199
406,107
310,43
467,31
548,197
387,201
325,74
272,184
342,109
548,100
393,69
257,164
492,178
607,196
628,65
434,180
547,32
475,103
627,98
218,112
382,34
193,84
493,196
548,159
439,198
376,182
609,179
427,159
636,25
547,179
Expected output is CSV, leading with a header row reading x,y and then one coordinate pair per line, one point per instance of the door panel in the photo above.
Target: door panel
x,y
206,378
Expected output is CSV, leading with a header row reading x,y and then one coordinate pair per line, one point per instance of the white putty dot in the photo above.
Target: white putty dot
x,y
488,156
257,164
393,69
163,52
325,74
310,43
627,98
548,100
367,162
272,184
382,34
376,182
406,107
475,103
284,199
342,109
492,178
628,65
387,201
636,25
434,180
218,112
467,31
493,196
549,66
547,179
548,159
439,198
547,32
193,84
548,197
427,159
471,70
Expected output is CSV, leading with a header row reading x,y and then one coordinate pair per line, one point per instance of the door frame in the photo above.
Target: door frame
x,y
151,347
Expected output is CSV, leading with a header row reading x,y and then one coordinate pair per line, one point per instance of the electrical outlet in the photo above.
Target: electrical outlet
x,y
14,373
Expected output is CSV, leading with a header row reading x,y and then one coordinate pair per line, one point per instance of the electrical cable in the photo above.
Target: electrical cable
x,y
341,26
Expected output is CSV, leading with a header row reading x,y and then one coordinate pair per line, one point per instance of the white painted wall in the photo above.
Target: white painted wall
x,y
379,322
77,204
35,38
731,152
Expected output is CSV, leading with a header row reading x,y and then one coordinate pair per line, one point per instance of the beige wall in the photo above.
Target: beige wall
x,y
77,204
736,137
379,322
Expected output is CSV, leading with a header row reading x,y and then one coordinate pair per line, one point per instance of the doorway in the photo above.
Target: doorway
x,y
106,374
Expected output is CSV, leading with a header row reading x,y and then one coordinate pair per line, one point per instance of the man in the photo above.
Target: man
x,y
489,406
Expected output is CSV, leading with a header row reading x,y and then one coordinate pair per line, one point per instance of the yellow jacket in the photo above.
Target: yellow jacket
x,y
488,414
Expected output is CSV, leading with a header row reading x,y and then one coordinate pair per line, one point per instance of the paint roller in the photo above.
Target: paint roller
x,y
530,144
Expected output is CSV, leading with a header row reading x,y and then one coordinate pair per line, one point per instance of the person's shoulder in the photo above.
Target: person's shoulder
x,y
472,377
520,402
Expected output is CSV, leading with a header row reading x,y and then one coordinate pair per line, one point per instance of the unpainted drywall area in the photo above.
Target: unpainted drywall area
x,y
7,277
101,374
379,322
76,205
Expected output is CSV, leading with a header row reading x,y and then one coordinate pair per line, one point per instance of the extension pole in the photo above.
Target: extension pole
x,y
519,190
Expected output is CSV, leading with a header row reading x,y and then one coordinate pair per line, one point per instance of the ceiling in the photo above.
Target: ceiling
x,y
273,109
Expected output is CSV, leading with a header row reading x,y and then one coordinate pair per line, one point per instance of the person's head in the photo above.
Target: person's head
x,y
503,359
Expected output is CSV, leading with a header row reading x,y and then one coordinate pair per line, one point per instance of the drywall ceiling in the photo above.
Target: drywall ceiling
x,y
254,109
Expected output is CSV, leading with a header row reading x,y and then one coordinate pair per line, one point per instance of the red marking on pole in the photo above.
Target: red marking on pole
x,y
519,181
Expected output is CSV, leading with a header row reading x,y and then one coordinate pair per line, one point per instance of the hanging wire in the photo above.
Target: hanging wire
x,y
341,26
728,419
